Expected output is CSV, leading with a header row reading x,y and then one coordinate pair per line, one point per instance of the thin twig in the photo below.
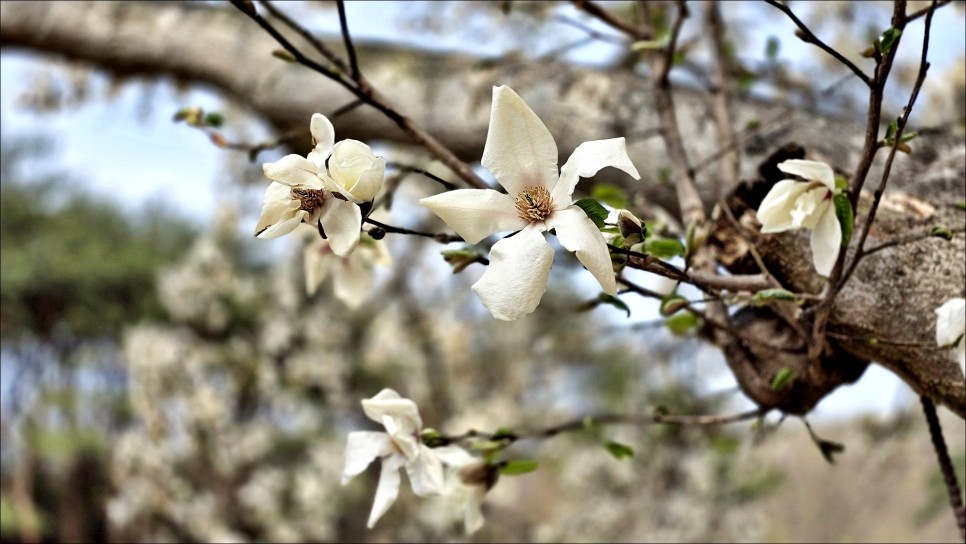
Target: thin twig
x,y
442,238
347,39
906,240
306,35
411,169
809,37
945,464
721,100
607,18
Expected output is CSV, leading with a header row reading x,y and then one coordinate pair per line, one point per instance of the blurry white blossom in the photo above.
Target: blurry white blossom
x,y
468,478
352,276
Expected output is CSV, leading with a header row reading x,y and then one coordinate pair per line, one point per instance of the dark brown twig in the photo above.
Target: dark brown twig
x,y
945,464
347,39
442,238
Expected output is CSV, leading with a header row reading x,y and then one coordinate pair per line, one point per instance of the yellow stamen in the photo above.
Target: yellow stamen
x,y
534,204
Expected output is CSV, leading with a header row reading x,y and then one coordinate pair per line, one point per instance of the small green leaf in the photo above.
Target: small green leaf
x,y
689,241
618,450
214,119
941,232
843,210
888,39
609,194
961,205
665,248
503,433
771,48
682,323
664,174
618,241
781,379
611,300
518,466
841,183
672,304
774,294
284,55
891,130
589,422
594,211
908,136
648,45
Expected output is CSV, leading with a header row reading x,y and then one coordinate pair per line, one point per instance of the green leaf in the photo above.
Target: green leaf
x,y
611,300
682,323
771,48
609,194
841,183
665,248
284,55
618,450
672,304
941,232
594,211
503,433
214,119
774,294
689,241
907,136
888,39
664,174
518,466
843,210
618,241
781,379
961,205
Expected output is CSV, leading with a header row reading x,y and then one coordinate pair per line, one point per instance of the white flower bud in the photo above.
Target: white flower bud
x,y
356,171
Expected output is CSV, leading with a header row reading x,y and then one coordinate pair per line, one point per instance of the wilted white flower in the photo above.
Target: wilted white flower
x,y
792,204
950,327
324,188
522,155
400,446
352,275
468,478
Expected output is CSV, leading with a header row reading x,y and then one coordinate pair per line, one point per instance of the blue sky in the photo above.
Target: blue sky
x,y
133,158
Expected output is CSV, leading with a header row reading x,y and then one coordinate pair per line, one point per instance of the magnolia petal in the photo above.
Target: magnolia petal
x,y
283,227
519,150
389,403
826,241
476,213
277,205
425,473
579,234
293,170
322,133
810,170
588,159
362,448
775,211
516,278
950,321
342,223
473,514
388,488
316,259
454,456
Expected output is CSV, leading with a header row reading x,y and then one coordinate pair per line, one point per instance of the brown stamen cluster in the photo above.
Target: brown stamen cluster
x,y
534,204
310,198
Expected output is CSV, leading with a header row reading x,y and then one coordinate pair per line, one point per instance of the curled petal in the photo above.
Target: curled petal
x,y
283,227
362,448
293,170
516,278
775,211
578,233
519,150
588,159
425,473
389,403
476,213
810,170
322,133
826,241
342,223
388,488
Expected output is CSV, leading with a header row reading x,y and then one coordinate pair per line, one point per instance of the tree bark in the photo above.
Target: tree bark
x,y
891,297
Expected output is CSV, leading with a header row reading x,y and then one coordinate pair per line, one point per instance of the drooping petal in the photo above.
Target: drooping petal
x,y
283,227
519,150
454,456
950,321
388,488
579,234
473,514
425,473
826,241
353,279
476,213
810,170
316,258
342,223
775,211
362,448
389,403
588,159
516,278
293,170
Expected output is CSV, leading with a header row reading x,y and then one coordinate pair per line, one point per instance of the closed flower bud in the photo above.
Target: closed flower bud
x,y
631,228
356,171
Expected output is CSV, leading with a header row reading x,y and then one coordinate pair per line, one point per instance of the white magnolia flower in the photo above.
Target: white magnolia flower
x,y
352,275
950,327
522,155
400,446
324,188
468,478
808,204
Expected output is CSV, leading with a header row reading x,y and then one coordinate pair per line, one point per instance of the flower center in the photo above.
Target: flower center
x,y
534,204
310,198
